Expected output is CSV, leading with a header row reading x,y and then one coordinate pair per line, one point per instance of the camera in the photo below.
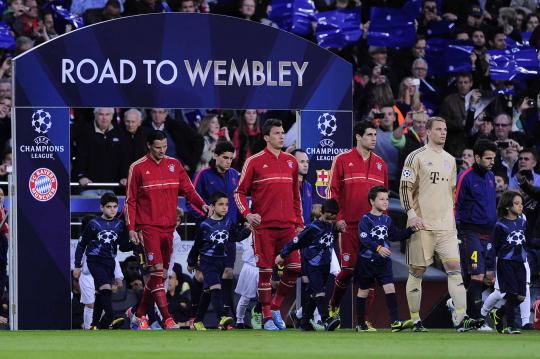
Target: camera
x,y
503,145
527,174
378,116
531,103
384,70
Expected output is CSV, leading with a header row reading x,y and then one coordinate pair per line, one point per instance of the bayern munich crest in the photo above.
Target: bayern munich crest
x,y
43,184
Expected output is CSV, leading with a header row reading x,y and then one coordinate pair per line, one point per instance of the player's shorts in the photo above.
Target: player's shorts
x,y
88,290
212,270
423,245
474,251
318,276
511,277
101,272
268,242
231,255
248,281
348,247
367,271
157,247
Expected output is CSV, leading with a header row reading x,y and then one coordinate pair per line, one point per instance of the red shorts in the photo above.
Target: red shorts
x,y
268,242
157,247
349,245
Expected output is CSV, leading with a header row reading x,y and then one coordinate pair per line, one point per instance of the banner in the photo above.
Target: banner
x,y
324,135
338,29
141,61
507,64
295,16
43,218
446,57
391,27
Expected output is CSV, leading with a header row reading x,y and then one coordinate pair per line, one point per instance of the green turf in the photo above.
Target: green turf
x,y
259,344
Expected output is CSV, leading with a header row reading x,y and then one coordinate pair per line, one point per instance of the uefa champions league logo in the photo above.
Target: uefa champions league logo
x,y
379,232
219,236
516,237
327,239
41,121
327,124
107,236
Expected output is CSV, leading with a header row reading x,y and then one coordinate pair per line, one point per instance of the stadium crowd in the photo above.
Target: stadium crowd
x,y
397,88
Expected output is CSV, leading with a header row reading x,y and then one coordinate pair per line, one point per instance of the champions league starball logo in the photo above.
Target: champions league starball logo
x,y
107,236
43,184
327,239
220,236
41,121
516,238
327,124
379,232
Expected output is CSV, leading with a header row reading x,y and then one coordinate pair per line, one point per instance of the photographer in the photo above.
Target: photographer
x,y
526,169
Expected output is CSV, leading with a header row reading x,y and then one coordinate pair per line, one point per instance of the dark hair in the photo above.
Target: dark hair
x,y
330,206
483,145
503,175
268,124
113,3
361,127
531,151
297,150
374,191
107,198
465,74
155,135
224,146
506,202
217,196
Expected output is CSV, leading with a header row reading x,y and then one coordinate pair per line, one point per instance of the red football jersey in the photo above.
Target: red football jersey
x,y
152,193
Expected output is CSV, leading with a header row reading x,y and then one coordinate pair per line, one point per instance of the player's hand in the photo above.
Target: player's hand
x,y
489,278
279,260
84,181
384,252
190,269
208,210
77,273
253,219
299,229
134,237
119,282
123,182
417,224
341,226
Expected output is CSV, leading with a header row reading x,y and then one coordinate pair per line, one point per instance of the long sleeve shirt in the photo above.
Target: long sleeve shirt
x,y
316,242
508,242
272,182
352,178
152,193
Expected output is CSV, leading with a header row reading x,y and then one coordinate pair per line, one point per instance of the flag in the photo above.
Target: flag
x,y
295,16
338,29
62,16
7,41
446,57
391,27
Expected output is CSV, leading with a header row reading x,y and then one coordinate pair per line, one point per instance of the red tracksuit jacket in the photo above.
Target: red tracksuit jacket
x,y
152,193
272,183
352,178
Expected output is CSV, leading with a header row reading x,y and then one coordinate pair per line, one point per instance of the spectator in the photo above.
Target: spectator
x,y
503,129
247,138
110,11
498,40
133,139
182,141
211,132
5,88
414,138
14,11
454,112
480,60
405,61
188,6
409,96
531,22
27,23
178,296
99,153
384,147
527,168
466,160
501,184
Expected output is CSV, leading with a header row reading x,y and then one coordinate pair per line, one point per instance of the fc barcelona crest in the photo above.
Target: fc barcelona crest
x,y
322,182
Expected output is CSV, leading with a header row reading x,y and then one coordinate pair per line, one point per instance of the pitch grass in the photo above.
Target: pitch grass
x,y
258,344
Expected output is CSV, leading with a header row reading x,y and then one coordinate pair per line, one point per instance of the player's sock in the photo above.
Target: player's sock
x,y
146,302
160,298
474,298
96,316
227,290
216,296
361,310
458,294
340,286
204,302
87,317
285,286
304,299
265,292
525,308
369,303
391,302
105,297
241,307
322,307
196,292
307,314
510,310
414,295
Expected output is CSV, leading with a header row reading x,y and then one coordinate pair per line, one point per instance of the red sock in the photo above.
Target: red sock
x,y
146,302
265,291
156,285
369,303
286,286
340,286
